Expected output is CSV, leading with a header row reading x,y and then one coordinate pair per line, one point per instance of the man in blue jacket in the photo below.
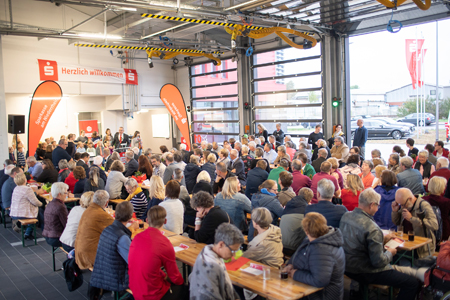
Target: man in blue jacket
x,y
360,137
255,178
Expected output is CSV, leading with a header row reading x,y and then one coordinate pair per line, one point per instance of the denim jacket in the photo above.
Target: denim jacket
x,y
236,207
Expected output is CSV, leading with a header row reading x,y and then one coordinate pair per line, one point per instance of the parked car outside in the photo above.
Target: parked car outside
x,y
377,129
412,118
411,126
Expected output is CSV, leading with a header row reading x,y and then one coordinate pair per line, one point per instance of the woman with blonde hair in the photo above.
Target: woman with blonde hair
x,y
378,170
156,193
335,171
70,232
236,204
115,181
94,183
350,194
320,144
436,187
203,183
262,131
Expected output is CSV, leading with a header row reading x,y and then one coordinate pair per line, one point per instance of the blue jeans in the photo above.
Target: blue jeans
x,y
29,230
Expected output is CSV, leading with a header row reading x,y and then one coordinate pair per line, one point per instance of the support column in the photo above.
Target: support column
x,y
3,116
244,85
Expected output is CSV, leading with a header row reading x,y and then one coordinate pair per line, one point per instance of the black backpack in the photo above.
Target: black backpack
x,y
437,212
72,273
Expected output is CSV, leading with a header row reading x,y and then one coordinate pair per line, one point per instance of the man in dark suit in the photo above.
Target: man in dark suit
x,y
322,156
84,162
120,138
237,167
131,166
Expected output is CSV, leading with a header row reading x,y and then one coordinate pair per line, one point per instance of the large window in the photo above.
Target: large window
x,y
214,95
287,89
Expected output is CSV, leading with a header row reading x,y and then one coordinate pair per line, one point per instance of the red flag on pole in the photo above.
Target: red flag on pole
x,y
413,48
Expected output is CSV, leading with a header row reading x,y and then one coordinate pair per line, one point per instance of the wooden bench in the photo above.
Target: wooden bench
x,y
54,251
364,288
4,215
28,222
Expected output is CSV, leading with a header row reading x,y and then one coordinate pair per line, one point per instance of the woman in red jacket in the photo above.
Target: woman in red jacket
x,y
149,251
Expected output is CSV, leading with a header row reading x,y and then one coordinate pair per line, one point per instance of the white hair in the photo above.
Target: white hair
x,y
182,146
252,144
325,188
98,160
369,196
424,152
136,150
407,162
258,141
132,183
203,175
204,143
235,152
31,159
130,154
8,169
59,188
101,197
443,161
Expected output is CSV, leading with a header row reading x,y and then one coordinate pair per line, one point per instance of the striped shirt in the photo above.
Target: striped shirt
x,y
139,202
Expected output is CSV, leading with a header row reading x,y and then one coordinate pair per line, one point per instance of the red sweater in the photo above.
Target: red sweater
x,y
149,251
70,181
349,200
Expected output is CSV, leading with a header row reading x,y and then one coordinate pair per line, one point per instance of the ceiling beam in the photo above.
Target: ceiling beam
x,y
118,18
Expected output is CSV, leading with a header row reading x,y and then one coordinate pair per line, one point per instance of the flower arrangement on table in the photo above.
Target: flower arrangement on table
x,y
139,177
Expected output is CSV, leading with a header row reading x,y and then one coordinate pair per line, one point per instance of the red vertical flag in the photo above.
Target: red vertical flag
x,y
414,59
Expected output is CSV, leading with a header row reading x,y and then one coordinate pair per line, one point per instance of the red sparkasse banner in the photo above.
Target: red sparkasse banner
x,y
414,46
51,70
89,126
173,100
45,99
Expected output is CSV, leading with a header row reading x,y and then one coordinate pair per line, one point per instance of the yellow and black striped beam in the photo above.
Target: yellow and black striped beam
x,y
198,21
145,48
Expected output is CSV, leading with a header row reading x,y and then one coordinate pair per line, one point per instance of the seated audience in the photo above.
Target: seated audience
x,y
321,144
324,206
158,168
49,152
90,149
210,167
275,173
111,262
256,177
173,162
191,172
367,261
223,157
70,180
325,170
266,246
413,213
281,151
376,154
357,150
352,167
431,157
222,173
299,180
287,193
80,148
377,180
69,234
246,159
259,156
91,225
111,159
55,215
145,167
9,185
237,167
24,204
235,204
439,150
335,171
387,190
80,175
174,208
366,175
411,149
209,278
320,158
350,194
131,165
208,217
203,183
303,148
441,170
269,153
49,173
290,150
320,259
150,253
307,169
97,163
34,167
436,186
94,182
63,170
156,193
410,178
422,164
116,181
394,163
138,200
340,150
292,232
83,162
399,151
267,197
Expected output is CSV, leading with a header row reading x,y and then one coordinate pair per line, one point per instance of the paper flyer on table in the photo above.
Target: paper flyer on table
x,y
252,271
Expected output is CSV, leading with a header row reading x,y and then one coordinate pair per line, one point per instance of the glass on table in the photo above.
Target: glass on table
x,y
400,230
411,236
266,273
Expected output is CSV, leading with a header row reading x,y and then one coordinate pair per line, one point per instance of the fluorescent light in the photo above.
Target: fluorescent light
x,y
165,30
240,5
94,35
123,8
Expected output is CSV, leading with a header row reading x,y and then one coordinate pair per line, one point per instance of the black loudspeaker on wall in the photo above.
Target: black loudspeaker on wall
x,y
16,124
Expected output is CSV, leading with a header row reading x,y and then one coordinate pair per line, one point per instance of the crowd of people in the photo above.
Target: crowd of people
x,y
321,204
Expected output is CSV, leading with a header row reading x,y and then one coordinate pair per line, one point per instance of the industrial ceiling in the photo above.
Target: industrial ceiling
x,y
123,23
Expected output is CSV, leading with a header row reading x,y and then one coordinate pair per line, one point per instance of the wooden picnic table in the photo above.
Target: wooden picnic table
x,y
49,198
408,246
116,201
274,288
